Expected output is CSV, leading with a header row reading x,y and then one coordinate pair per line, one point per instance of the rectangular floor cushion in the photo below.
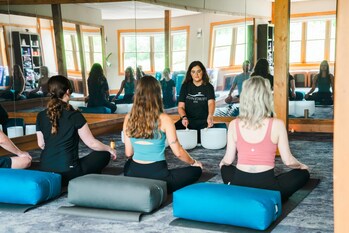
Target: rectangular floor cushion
x,y
227,204
96,110
28,186
117,192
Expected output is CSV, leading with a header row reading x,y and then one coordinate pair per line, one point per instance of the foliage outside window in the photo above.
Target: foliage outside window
x,y
148,50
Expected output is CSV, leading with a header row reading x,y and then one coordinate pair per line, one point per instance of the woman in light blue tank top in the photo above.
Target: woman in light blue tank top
x,y
146,129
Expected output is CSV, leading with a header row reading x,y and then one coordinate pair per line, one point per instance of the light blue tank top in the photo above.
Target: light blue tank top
x,y
149,149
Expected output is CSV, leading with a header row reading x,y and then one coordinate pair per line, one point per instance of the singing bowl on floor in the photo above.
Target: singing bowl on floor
x,y
292,107
15,131
188,138
214,138
302,105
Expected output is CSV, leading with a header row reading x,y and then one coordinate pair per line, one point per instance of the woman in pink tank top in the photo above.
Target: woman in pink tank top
x,y
252,141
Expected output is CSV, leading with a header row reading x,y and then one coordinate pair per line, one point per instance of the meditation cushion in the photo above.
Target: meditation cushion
x,y
100,109
227,204
28,186
117,192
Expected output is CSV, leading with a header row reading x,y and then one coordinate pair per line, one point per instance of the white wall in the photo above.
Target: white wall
x,y
313,6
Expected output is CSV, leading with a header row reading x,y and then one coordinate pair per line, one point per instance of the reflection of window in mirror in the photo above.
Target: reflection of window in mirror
x,y
92,46
3,60
312,40
150,50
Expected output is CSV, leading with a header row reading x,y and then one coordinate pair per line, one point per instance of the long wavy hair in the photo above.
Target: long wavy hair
x,y
188,77
132,74
57,87
147,107
256,102
324,62
261,68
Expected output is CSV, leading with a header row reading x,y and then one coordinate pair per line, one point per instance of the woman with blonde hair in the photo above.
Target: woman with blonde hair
x,y
129,84
59,129
255,135
146,129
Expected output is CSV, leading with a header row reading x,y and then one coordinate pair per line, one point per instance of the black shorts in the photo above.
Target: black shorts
x,y
5,162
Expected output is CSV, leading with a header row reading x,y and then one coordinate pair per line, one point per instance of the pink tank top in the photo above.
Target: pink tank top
x,y
261,153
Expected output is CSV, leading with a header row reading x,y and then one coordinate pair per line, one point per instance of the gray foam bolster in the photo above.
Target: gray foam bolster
x,y
117,192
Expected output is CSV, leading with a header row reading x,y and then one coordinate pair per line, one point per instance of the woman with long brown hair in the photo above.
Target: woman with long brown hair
x,y
146,129
59,129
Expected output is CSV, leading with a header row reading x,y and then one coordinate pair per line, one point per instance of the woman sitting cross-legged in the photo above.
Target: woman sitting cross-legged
x,y
59,129
146,129
255,135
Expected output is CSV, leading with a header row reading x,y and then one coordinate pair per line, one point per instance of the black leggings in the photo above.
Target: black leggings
x,y
287,183
176,178
92,163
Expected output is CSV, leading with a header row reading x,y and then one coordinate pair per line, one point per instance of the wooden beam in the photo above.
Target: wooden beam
x,y
29,2
341,126
59,38
167,38
281,58
82,57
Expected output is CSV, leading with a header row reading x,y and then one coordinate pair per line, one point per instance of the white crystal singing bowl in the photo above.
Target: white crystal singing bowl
x,y
15,131
302,105
123,108
213,138
188,138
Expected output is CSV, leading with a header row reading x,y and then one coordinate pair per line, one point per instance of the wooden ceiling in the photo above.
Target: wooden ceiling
x,y
29,2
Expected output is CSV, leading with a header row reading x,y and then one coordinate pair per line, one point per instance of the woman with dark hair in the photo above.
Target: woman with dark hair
x,y
262,69
59,129
255,136
324,81
146,129
196,102
98,89
129,84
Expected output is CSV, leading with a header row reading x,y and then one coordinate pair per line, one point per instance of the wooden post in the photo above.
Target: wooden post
x,y
341,126
281,59
59,38
82,58
167,38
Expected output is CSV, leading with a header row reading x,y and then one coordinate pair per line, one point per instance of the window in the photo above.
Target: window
x,y
148,50
92,49
229,44
312,40
71,52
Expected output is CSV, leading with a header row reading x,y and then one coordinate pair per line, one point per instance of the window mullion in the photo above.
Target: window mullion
x,y
152,54
74,49
304,42
327,40
233,46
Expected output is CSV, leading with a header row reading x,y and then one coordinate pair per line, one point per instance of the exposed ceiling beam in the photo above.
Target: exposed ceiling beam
x,y
30,2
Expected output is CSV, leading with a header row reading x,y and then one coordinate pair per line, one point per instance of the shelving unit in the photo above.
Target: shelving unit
x,y
265,37
27,54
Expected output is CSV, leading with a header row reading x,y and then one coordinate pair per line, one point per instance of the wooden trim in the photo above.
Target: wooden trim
x,y
18,25
102,34
304,42
310,125
281,59
313,14
54,44
121,42
29,2
327,40
82,58
167,30
9,61
233,21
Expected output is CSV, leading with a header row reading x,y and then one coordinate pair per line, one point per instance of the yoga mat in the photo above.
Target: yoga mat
x,y
100,213
107,170
21,208
287,207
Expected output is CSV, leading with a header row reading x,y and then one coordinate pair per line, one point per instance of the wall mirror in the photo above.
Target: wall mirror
x,y
312,58
131,33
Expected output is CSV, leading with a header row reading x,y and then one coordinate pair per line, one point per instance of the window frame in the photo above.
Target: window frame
x,y
230,23
151,33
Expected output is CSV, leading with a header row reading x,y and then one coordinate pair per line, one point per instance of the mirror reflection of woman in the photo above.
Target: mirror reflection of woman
x,y
42,89
196,102
147,128
15,89
98,89
324,81
129,84
59,129
168,88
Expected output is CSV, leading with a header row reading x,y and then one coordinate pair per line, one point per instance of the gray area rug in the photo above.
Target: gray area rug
x,y
313,214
